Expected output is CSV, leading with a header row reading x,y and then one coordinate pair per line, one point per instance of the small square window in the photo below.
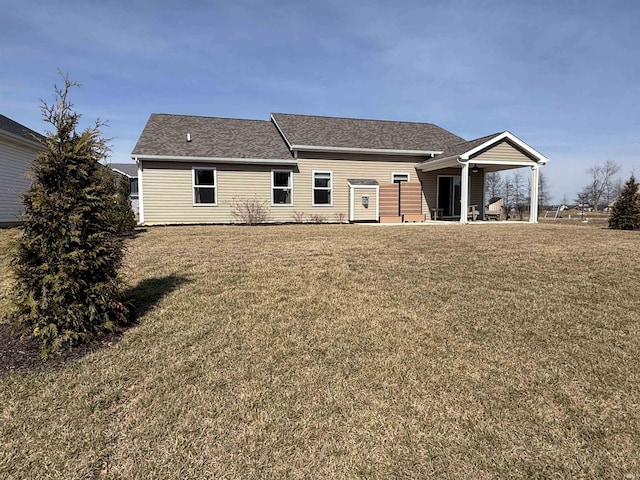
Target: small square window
x,y
399,177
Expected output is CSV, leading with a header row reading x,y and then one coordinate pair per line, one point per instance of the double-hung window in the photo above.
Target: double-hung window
x,y
281,187
204,186
322,185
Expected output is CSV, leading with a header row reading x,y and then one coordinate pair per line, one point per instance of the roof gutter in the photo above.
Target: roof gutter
x,y
260,161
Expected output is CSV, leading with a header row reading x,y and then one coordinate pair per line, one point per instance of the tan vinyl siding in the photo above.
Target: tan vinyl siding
x,y
15,160
360,212
503,151
168,192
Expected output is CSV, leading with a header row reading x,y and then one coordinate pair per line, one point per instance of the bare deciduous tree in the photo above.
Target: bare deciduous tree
x,y
519,195
601,179
544,194
493,185
507,194
613,192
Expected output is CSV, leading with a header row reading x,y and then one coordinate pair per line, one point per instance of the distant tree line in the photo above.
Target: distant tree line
x,y
604,186
515,190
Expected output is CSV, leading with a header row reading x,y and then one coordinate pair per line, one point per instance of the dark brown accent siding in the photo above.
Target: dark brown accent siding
x,y
410,199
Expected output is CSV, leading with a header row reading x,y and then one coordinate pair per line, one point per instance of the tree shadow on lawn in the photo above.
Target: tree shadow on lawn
x,y
22,354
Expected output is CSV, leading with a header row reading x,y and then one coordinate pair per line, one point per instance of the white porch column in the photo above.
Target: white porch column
x,y
464,194
533,203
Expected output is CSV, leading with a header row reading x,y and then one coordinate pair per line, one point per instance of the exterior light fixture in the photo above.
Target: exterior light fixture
x,y
475,169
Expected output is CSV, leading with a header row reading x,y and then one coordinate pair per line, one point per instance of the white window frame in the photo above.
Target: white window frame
x,y
194,186
281,170
314,188
393,174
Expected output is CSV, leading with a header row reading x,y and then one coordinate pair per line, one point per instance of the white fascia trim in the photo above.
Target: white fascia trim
x,y
261,161
281,132
506,135
318,148
122,173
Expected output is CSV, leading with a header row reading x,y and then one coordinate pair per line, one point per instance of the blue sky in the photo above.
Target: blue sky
x,y
561,75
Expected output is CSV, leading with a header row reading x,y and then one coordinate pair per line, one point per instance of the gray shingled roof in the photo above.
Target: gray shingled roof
x,y
361,133
16,128
460,148
210,137
130,169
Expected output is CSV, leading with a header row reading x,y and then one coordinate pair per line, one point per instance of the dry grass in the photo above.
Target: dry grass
x,y
351,351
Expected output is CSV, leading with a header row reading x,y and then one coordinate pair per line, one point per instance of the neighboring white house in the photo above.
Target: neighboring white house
x,y
18,148
128,171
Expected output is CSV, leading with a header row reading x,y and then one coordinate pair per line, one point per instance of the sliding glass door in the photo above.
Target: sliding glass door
x,y
449,188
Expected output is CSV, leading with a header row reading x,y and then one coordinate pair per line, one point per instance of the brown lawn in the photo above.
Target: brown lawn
x,y
480,351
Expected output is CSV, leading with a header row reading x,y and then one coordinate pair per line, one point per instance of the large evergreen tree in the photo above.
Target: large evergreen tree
x,y
625,214
68,257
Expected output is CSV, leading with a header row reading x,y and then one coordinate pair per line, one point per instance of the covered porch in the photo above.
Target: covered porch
x,y
456,176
